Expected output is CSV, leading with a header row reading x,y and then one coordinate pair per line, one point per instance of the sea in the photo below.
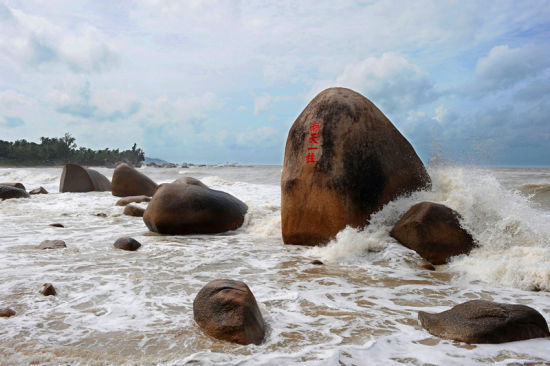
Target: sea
x,y
361,307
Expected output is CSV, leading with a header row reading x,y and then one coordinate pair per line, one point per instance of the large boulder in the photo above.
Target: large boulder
x,y
227,310
14,184
344,160
76,178
433,231
133,210
7,192
480,321
129,182
193,208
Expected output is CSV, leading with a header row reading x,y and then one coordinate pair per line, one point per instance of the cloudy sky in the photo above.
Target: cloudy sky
x,y
222,81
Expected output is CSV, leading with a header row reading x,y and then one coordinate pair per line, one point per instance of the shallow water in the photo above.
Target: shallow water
x,y
117,307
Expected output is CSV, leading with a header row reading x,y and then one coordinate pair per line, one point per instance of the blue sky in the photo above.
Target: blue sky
x,y
222,81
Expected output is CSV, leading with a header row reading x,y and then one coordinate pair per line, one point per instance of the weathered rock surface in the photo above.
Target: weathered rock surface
x,y
133,210
344,160
227,310
7,312
52,244
132,199
7,192
184,208
129,182
48,290
76,178
40,190
14,184
433,231
480,321
126,243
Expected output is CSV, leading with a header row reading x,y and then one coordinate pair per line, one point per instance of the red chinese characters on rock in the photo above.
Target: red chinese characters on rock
x,y
313,142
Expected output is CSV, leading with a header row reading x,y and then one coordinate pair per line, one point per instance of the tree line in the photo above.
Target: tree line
x,y
63,150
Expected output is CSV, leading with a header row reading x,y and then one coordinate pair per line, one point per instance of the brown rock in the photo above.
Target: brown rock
x,y
180,208
428,266
57,225
126,243
7,192
132,210
227,310
40,190
190,180
129,182
76,178
100,214
15,185
132,199
52,244
433,231
317,262
480,321
343,161
6,312
48,290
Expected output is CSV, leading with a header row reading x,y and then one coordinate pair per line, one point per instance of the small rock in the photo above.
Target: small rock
x,y
127,243
428,266
6,312
48,290
57,225
52,244
15,185
100,214
132,210
132,199
317,262
40,190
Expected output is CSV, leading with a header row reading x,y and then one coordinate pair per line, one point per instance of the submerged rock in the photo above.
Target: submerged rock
x,y
129,182
8,192
132,210
40,190
52,244
480,321
15,185
433,231
227,310
7,312
343,161
76,178
132,199
193,208
57,225
127,243
48,290
317,262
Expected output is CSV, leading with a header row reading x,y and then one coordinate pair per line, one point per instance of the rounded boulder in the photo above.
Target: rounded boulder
x,y
76,178
183,208
7,192
127,181
480,321
343,161
227,310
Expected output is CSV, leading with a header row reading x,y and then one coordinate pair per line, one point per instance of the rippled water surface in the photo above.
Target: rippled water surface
x,y
117,307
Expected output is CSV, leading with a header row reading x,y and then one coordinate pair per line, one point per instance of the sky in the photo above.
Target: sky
x,y
223,81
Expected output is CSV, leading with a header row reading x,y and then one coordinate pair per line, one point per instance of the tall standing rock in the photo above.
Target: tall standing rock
x,y
129,182
344,160
76,178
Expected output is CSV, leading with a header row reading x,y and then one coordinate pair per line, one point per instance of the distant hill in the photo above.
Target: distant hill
x,y
154,160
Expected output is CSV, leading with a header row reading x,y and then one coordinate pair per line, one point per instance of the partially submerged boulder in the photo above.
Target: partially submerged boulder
x,y
133,210
7,192
7,312
227,310
52,244
129,182
480,321
48,290
76,178
132,199
40,190
15,185
184,208
433,231
127,243
343,161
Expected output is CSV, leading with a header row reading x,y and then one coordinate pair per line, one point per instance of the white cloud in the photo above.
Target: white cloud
x,y
257,136
441,114
262,103
10,99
